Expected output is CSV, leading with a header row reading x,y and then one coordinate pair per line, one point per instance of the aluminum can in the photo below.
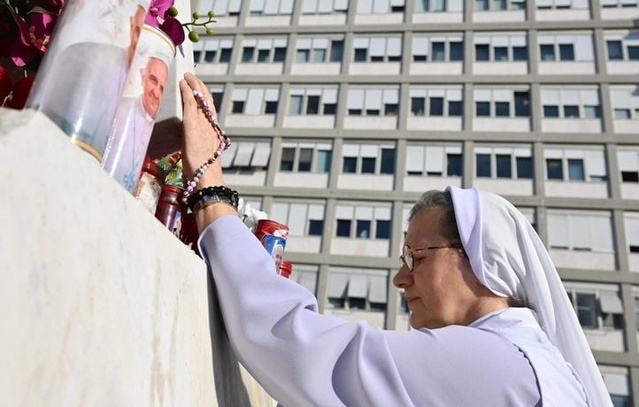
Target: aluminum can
x,y
270,227
286,268
274,245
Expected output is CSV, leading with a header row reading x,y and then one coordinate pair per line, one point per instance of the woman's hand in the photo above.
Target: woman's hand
x,y
199,139
199,143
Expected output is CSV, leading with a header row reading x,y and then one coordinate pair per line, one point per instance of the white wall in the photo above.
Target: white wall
x,y
100,305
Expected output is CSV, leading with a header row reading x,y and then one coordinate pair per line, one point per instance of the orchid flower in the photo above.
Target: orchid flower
x,y
35,34
158,12
160,15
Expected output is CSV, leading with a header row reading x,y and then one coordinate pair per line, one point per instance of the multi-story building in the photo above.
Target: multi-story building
x,y
343,112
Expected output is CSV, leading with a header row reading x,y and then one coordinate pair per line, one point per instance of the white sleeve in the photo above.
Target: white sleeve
x,y
303,358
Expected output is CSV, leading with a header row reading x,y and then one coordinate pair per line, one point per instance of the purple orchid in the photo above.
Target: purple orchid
x,y
173,28
158,16
158,12
35,34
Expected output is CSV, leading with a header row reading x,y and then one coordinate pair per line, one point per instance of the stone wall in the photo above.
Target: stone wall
x,y
99,304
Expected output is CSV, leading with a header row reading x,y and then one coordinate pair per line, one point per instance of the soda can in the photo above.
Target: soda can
x,y
274,245
270,227
286,268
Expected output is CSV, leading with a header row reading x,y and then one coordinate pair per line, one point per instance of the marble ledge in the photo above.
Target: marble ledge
x,y
100,304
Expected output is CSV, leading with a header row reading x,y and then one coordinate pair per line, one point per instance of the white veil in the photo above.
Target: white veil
x,y
508,257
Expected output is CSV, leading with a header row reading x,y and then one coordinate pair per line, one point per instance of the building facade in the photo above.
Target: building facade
x,y
343,112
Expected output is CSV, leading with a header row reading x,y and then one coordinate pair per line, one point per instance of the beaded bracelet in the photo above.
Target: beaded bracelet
x,y
225,142
190,185
210,195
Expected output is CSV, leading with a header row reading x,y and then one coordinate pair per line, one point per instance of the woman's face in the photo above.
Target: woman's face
x,y
442,289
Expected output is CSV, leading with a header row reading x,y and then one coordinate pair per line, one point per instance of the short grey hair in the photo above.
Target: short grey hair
x,y
441,200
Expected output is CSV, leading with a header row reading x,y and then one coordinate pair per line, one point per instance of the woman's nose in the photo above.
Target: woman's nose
x,y
402,278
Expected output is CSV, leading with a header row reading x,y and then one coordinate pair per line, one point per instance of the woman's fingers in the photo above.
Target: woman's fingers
x,y
196,84
200,140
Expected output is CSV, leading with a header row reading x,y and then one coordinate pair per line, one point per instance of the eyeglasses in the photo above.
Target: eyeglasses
x,y
407,253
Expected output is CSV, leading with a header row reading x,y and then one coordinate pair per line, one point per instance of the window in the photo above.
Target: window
x,y
306,156
586,312
417,106
596,308
377,49
306,276
227,8
554,168
501,103
551,111
481,5
482,52
313,101
503,162
363,221
264,50
498,5
302,219
576,169
215,51
623,47
625,102
436,106
628,162
502,109
483,165
615,50
566,52
577,47
441,48
271,7
255,101
561,4
571,111
454,164
482,109
343,228
502,48
360,289
247,155
504,166
324,6
631,227
434,161
380,6
524,167
368,159
547,52
319,50
436,101
569,103
373,101
575,165
434,6
439,51
217,92
522,104
580,230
